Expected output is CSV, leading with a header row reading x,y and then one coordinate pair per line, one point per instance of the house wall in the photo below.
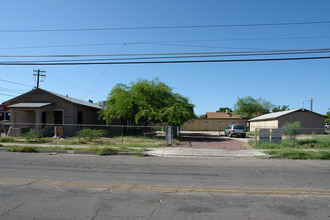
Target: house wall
x,y
210,124
307,120
34,115
263,124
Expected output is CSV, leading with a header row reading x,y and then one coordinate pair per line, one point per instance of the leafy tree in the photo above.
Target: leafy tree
x,y
223,109
249,107
203,116
147,101
327,117
279,108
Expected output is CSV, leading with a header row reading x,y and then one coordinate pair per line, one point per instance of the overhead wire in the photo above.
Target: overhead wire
x,y
156,42
178,57
164,54
164,27
15,83
166,61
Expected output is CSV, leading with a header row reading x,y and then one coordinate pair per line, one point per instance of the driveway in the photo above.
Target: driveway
x,y
211,140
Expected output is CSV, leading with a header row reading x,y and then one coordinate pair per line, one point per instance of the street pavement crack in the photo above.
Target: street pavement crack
x,y
15,207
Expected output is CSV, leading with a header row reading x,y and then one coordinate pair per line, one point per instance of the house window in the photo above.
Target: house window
x,y
58,117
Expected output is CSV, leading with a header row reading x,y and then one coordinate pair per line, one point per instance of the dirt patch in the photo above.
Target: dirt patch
x,y
209,141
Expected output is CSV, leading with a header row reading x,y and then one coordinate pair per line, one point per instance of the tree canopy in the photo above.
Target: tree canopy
x,y
279,108
223,109
147,101
249,107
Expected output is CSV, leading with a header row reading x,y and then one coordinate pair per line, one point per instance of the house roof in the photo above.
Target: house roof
x,y
69,99
221,115
276,115
30,105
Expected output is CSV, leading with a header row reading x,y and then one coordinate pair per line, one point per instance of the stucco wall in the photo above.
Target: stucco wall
x,y
263,124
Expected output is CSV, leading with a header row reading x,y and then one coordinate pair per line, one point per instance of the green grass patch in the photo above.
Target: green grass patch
x,y
300,154
25,149
106,151
313,142
7,139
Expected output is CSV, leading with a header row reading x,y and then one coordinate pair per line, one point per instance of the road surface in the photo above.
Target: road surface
x,y
41,186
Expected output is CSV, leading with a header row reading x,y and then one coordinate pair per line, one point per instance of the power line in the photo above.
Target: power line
x,y
160,42
166,27
15,83
166,62
7,95
176,57
164,54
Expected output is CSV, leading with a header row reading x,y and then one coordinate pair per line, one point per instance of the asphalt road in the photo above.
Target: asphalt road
x,y
39,186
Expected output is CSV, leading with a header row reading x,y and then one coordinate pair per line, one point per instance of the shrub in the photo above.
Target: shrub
x,y
106,151
91,134
291,128
30,136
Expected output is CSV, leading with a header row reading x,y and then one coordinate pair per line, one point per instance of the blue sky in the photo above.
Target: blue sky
x,y
207,85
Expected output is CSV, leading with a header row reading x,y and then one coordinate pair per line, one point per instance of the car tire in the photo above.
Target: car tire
x,y
243,136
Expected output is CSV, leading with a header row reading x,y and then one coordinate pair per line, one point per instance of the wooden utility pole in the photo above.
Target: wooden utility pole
x,y
311,104
37,74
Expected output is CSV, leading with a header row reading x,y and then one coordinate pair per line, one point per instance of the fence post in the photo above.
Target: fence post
x,y
122,135
292,135
255,136
79,132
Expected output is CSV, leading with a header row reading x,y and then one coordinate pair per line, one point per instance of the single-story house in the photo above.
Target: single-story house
x,y
309,121
215,121
38,108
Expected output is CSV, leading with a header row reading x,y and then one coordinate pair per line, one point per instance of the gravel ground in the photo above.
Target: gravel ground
x,y
211,141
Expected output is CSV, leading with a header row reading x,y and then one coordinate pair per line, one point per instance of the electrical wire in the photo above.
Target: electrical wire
x,y
166,27
164,54
176,57
166,62
15,83
161,42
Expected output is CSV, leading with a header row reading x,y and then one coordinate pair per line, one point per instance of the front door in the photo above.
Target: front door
x,y
58,117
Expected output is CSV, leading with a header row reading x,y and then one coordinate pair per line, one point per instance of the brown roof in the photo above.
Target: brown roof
x,y
220,115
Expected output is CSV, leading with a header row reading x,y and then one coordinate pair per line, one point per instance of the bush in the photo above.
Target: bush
x,y
91,134
291,128
30,136
106,151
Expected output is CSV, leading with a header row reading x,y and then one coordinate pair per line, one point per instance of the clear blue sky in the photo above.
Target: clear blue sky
x,y
207,85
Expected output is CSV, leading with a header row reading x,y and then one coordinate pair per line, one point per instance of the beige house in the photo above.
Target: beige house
x,y
215,121
310,121
39,109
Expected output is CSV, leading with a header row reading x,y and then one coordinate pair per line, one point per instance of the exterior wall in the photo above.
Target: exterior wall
x,y
307,119
210,124
34,115
263,124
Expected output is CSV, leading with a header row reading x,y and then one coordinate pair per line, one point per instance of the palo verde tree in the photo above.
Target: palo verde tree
x,y
249,107
147,102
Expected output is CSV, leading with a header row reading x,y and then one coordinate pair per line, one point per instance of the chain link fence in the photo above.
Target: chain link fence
x,y
117,134
276,135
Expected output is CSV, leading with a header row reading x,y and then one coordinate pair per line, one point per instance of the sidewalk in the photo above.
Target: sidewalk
x,y
196,152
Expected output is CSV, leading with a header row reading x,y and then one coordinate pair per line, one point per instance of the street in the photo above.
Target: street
x,y
43,186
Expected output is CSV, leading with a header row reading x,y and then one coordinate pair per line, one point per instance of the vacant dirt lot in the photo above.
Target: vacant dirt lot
x,y
211,141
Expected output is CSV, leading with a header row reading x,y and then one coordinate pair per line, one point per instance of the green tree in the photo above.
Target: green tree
x,y
202,116
223,109
327,117
279,108
147,101
249,107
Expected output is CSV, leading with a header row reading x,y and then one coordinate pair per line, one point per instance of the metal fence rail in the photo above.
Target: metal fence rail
x,y
276,135
120,133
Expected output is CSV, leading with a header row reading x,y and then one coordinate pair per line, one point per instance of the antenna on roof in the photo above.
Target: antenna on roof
x,y
37,74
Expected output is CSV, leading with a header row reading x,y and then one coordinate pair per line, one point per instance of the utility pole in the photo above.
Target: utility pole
x,y
311,104
37,74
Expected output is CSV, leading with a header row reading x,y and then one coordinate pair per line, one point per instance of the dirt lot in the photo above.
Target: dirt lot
x,y
212,141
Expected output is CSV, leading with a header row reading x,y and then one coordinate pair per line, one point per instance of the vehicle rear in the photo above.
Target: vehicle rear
x,y
238,130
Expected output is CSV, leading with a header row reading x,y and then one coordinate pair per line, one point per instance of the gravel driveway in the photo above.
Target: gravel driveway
x,y
212,141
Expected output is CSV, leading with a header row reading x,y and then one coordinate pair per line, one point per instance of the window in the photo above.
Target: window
x,y
58,117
